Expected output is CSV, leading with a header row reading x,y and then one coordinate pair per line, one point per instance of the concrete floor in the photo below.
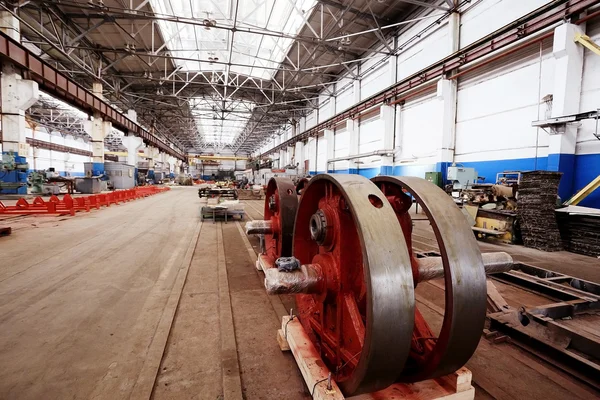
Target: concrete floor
x,y
142,300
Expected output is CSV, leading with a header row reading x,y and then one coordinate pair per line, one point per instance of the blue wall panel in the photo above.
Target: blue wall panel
x,y
587,167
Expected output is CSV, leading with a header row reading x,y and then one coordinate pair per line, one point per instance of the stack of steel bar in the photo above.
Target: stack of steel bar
x,y
69,205
536,203
580,232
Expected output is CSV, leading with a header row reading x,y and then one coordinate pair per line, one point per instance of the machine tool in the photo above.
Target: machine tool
x,y
13,174
354,272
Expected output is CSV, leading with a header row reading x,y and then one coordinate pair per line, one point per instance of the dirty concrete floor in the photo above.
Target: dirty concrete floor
x,y
80,297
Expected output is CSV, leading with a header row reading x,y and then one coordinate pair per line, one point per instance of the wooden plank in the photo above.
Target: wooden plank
x,y
460,380
455,386
232,383
309,362
282,341
426,390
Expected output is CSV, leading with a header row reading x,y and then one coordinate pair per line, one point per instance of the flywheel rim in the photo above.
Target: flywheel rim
x,y
464,276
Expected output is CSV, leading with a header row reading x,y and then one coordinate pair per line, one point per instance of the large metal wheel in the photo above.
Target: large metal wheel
x,y
361,318
281,203
464,275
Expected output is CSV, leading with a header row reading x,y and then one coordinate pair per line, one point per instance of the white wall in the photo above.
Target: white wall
x,y
63,163
322,155
419,130
495,109
341,148
488,16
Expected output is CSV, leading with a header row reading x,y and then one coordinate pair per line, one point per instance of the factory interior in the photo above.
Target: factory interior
x,y
300,199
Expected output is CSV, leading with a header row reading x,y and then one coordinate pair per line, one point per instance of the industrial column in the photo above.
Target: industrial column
x,y
99,130
299,157
447,92
151,153
329,151
133,144
17,96
387,114
566,94
353,142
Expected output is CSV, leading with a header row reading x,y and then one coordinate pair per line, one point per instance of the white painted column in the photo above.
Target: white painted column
x,y
132,115
392,70
387,114
282,162
17,96
356,91
299,157
329,139
353,142
98,131
568,71
9,24
133,144
152,154
446,93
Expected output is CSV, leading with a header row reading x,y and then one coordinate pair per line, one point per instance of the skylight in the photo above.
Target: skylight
x,y
220,127
253,54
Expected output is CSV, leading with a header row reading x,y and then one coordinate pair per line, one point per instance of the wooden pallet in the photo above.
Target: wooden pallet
x,y
291,337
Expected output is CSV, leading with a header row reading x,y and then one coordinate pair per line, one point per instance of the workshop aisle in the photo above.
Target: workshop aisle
x,y
85,301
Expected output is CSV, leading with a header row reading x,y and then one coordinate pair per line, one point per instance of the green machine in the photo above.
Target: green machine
x,y
435,178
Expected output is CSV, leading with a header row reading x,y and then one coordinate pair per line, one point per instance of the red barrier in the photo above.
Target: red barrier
x,y
69,205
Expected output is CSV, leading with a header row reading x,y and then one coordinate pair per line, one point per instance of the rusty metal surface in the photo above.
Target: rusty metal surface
x,y
464,276
57,147
363,321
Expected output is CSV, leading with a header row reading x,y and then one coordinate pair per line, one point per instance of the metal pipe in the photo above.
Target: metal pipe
x,y
432,267
308,279
259,227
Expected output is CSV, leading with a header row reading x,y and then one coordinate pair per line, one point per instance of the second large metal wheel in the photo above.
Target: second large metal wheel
x,y
281,202
464,277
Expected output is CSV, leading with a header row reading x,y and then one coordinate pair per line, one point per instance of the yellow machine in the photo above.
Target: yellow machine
x,y
500,225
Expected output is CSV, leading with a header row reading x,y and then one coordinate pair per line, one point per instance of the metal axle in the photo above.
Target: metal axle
x,y
308,279
259,227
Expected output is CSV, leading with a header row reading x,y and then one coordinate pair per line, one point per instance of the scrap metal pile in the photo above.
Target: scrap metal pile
x,y
345,249
580,230
536,204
